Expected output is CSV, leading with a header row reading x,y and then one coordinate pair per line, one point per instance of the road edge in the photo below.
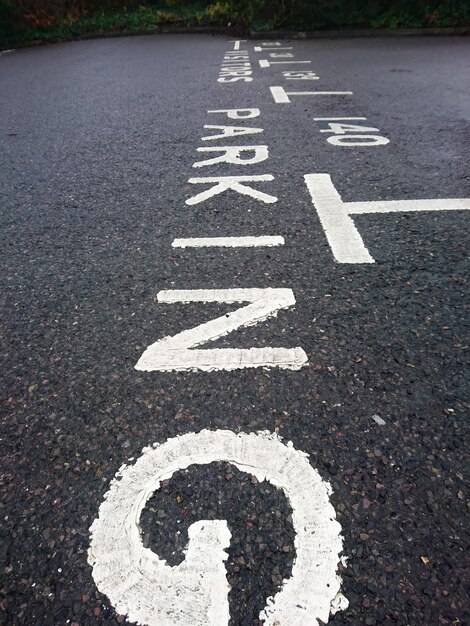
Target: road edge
x,y
360,32
255,35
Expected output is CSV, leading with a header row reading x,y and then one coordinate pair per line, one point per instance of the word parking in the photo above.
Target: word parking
x,y
178,351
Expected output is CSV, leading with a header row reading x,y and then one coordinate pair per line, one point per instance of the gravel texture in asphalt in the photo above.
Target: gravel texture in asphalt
x,y
97,143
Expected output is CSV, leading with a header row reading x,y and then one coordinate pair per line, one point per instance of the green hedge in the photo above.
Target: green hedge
x,y
49,20
324,14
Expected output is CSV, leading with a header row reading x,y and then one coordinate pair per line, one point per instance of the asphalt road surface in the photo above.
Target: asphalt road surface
x,y
344,332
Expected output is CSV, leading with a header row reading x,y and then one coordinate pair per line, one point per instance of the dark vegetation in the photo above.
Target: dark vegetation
x,y
52,20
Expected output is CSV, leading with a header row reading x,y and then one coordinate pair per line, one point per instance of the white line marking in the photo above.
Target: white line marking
x,y
260,49
175,353
266,63
407,206
145,588
345,241
337,119
224,183
229,242
281,96
343,237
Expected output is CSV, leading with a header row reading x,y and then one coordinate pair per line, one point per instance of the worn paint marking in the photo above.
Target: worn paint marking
x,y
229,242
266,63
334,119
233,155
195,593
235,183
175,353
343,237
264,49
281,96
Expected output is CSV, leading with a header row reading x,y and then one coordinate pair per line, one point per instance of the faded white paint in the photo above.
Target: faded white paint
x,y
230,131
334,119
233,155
235,183
238,114
343,237
266,63
260,49
358,140
408,206
339,128
281,55
300,75
265,241
145,588
281,96
176,353
236,44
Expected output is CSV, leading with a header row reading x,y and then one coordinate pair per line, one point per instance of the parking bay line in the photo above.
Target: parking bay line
x,y
343,237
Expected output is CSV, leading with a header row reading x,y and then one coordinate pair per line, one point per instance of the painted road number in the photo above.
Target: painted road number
x,y
144,587
347,132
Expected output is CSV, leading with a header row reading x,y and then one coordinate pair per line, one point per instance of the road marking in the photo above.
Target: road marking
x,y
260,49
235,67
300,75
236,44
145,588
224,183
343,237
238,114
229,242
232,155
347,134
352,141
230,131
266,63
337,119
281,96
407,206
176,353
